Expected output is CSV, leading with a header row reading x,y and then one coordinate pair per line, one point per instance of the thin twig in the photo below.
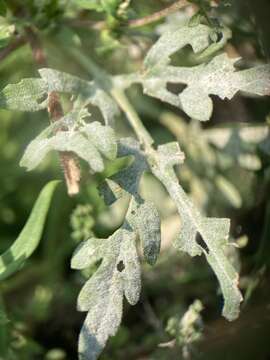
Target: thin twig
x,y
68,161
134,23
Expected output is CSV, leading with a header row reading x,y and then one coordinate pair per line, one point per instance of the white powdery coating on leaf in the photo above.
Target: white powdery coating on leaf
x,y
216,77
89,91
82,142
201,235
102,295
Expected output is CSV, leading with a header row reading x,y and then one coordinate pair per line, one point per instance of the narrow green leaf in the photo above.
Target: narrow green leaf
x,y
13,259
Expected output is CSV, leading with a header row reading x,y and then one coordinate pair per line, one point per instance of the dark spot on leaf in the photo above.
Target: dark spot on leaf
x,y
199,240
120,266
133,212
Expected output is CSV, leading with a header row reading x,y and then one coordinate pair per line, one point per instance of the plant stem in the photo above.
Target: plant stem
x,y
134,23
133,118
146,20
69,163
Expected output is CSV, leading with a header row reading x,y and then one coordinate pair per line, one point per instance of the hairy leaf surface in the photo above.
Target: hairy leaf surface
x,y
32,94
215,77
199,234
90,142
102,295
142,215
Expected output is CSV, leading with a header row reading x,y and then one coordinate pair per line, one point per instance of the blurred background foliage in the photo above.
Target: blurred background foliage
x,y
226,172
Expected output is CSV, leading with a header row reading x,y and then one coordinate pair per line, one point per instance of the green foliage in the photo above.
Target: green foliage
x,y
26,243
82,222
98,5
188,329
88,131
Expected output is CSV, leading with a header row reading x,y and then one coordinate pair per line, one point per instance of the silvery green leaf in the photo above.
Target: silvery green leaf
x,y
142,215
27,95
80,141
103,138
144,218
62,141
126,180
173,40
31,94
201,235
171,154
102,295
62,82
88,91
218,77
88,253
215,77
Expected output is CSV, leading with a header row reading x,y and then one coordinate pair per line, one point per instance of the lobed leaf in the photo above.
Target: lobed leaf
x,y
215,77
142,217
32,94
202,235
88,91
127,180
90,142
102,295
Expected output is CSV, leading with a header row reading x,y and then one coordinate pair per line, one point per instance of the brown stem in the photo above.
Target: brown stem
x,y
158,15
68,161
134,23
18,42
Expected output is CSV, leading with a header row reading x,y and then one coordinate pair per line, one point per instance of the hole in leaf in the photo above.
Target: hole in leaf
x,y
133,212
175,89
120,266
199,240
